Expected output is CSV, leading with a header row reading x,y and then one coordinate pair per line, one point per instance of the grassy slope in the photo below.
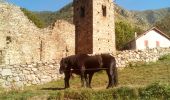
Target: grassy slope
x,y
134,76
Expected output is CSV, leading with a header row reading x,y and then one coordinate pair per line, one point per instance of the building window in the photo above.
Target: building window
x,y
146,43
157,44
104,10
82,12
8,39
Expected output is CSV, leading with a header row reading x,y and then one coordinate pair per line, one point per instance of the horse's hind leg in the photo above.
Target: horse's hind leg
x,y
90,78
110,76
115,76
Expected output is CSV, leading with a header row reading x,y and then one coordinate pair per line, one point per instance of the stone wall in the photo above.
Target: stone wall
x,y
124,58
39,73
13,76
22,42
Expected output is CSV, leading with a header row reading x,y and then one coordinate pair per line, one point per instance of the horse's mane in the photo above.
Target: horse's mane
x,y
98,54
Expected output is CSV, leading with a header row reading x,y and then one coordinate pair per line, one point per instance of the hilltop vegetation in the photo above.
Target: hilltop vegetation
x,y
34,18
164,24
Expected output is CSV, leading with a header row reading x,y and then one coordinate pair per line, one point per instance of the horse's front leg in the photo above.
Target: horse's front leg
x,y
83,83
110,76
66,79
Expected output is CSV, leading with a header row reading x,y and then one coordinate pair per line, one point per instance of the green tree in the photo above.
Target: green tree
x,y
124,33
164,24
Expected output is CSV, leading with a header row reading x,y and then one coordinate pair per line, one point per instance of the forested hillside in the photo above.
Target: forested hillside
x,y
127,22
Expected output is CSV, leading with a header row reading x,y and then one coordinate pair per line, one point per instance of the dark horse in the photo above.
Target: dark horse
x,y
85,66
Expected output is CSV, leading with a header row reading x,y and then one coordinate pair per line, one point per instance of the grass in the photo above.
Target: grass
x,y
134,81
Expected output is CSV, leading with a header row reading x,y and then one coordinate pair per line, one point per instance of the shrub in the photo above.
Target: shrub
x,y
164,57
154,91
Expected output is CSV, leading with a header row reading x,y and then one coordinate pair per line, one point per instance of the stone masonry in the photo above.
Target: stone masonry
x,y
94,26
22,42
125,58
29,55
38,73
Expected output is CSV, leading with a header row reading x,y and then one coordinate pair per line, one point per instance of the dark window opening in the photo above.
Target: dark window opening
x,y
104,10
8,39
82,12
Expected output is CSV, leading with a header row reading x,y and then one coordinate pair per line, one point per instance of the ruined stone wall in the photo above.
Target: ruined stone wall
x,y
40,73
14,76
19,36
103,26
22,42
127,57
84,26
29,55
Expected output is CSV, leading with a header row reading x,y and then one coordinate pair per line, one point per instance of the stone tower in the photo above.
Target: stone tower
x,y
95,28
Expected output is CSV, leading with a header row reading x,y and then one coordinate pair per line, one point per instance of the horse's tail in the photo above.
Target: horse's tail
x,y
115,72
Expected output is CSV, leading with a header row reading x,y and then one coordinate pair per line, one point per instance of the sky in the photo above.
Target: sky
x,y
54,5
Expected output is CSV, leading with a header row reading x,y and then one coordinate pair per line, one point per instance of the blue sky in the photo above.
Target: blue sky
x,y
53,5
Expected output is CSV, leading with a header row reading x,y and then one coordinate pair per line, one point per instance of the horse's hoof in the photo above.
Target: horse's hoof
x,y
109,87
67,87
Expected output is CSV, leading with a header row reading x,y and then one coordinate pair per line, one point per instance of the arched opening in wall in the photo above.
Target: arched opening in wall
x,y
104,10
82,12
8,39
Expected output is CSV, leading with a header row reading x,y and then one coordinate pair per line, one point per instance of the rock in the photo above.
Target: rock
x,y
6,72
34,69
26,72
16,79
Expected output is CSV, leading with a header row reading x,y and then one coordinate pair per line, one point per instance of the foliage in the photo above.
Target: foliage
x,y
164,24
155,91
164,57
39,23
124,33
66,13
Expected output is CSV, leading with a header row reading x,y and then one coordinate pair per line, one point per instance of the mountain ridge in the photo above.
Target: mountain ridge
x,y
144,19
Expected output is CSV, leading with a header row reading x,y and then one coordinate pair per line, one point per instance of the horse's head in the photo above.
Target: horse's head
x,y
63,66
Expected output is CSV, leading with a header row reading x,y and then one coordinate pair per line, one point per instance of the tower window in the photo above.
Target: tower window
x,y
8,39
82,12
104,10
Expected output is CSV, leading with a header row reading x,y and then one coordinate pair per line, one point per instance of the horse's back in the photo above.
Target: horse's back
x,y
107,59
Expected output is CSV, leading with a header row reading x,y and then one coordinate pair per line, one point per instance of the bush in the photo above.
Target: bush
x,y
155,91
164,57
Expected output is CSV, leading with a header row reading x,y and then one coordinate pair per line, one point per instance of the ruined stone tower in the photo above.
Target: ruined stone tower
x,y
95,28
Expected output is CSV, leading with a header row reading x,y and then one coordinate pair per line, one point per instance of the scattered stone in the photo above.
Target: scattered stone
x,y
6,72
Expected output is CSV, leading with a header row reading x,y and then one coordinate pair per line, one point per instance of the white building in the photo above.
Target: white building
x,y
153,38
